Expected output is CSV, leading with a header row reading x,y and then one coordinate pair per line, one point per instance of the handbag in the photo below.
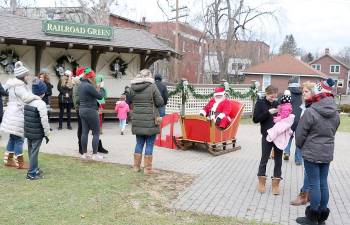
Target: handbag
x,y
157,118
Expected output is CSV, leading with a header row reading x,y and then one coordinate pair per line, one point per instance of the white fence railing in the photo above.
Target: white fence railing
x,y
194,105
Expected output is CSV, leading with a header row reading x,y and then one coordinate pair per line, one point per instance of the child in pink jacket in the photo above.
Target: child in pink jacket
x,y
122,109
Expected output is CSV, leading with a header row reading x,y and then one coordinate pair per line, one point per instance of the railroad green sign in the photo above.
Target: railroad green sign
x,y
54,27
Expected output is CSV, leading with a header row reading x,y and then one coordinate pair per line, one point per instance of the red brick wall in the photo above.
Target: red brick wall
x,y
325,63
118,22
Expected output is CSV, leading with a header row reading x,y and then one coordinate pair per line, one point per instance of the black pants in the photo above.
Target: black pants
x,y
79,133
63,106
265,155
89,121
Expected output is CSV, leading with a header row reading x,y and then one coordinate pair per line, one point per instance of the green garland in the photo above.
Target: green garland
x,y
231,92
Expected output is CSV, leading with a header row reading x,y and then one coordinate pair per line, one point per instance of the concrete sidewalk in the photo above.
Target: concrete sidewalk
x,y
226,185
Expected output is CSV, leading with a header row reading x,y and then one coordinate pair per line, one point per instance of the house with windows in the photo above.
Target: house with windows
x,y
278,70
334,68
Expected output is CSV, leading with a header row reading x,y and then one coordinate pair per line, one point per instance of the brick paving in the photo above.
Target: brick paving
x,y
226,185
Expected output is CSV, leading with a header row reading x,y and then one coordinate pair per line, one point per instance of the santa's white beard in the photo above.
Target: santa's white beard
x,y
219,99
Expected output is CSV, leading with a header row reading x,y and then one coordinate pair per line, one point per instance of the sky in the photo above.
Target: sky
x,y
315,24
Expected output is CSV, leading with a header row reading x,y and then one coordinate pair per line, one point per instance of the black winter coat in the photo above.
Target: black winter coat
x,y
33,128
163,91
296,103
66,93
88,95
263,116
48,93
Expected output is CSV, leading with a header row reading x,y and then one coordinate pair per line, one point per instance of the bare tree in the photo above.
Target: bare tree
x,y
226,22
344,55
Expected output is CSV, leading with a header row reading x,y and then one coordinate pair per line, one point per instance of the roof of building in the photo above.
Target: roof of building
x,y
332,57
15,27
129,20
284,65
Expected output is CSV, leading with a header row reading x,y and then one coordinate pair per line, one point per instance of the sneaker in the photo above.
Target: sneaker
x,y
35,177
286,156
69,127
84,156
96,157
39,172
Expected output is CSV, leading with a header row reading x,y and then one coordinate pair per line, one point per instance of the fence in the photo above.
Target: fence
x,y
194,105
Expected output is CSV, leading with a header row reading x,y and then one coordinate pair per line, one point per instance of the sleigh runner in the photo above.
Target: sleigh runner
x,y
201,130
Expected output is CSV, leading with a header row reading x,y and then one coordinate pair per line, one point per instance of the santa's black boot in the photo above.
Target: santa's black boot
x,y
311,217
101,149
323,216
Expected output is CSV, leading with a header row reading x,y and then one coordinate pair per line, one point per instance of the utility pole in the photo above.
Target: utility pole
x,y
176,65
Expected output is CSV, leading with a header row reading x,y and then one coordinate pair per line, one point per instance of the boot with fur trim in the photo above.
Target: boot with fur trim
x,y
137,162
20,164
323,216
276,185
148,164
9,159
311,217
261,184
301,199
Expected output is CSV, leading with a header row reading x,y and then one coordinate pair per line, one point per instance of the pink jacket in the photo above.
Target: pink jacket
x,y
281,132
284,110
122,109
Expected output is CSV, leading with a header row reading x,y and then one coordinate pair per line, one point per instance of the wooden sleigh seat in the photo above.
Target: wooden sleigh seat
x,y
201,130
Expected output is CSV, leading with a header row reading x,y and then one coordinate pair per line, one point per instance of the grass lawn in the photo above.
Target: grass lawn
x,y
84,192
344,123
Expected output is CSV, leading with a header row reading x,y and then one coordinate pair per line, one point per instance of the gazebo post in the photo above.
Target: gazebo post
x,y
38,53
95,55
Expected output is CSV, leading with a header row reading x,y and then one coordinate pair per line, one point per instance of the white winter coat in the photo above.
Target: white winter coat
x,y
19,94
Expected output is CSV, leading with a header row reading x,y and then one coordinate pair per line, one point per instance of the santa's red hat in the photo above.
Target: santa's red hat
x,y
89,73
219,91
79,71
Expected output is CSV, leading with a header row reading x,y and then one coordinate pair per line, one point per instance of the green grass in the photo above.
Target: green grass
x,y
344,123
83,192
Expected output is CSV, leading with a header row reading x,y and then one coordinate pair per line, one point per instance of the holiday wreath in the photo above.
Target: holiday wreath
x,y
118,67
8,58
61,65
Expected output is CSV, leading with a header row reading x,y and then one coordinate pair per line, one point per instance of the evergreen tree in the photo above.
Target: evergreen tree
x,y
308,57
289,46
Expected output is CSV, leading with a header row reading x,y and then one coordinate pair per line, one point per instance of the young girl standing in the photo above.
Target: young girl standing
x,y
122,109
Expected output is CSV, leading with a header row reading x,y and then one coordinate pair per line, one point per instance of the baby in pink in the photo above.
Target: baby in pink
x,y
285,108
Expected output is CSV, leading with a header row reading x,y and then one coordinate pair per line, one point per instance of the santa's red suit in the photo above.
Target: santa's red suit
x,y
218,109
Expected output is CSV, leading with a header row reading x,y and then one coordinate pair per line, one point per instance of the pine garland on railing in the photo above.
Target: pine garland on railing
x,y
184,87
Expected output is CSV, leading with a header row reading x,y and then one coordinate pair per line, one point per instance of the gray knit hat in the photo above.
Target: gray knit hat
x,y
20,70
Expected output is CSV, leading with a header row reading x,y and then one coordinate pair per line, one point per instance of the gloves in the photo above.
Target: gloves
x,y
273,111
217,122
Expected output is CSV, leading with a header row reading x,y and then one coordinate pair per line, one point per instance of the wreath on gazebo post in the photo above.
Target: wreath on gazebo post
x,y
62,62
118,67
8,58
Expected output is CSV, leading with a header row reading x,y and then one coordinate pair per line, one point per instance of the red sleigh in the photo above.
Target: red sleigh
x,y
201,130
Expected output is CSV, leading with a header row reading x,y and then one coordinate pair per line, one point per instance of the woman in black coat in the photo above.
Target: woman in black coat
x,y
65,98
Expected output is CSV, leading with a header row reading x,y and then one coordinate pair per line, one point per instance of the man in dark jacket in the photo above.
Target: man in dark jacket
x,y
2,93
163,91
294,87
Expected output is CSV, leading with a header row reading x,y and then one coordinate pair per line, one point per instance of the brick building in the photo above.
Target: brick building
x,y
334,68
119,21
278,70
191,46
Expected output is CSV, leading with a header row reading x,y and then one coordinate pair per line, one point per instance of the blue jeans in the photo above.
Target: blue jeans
x,y
33,153
140,142
317,174
298,157
15,144
122,124
306,184
161,111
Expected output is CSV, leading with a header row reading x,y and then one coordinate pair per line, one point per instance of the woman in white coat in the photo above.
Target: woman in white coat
x,y
13,120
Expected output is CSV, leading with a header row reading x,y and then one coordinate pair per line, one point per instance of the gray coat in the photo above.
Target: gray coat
x,y
316,130
145,98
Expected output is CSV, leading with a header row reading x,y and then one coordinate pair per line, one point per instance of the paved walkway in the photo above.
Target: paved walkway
x,y
226,185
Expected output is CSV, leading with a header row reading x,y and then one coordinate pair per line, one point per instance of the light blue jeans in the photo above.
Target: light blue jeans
x,y
297,157
15,144
122,124
140,142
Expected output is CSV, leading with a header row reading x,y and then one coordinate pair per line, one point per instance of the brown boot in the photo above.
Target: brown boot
x,y
8,159
148,164
301,199
276,185
272,156
261,184
137,162
19,159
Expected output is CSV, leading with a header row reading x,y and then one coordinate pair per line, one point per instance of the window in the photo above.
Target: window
x,y
334,69
316,66
266,81
340,83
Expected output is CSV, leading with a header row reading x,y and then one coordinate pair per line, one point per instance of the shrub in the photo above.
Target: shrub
x,y
345,108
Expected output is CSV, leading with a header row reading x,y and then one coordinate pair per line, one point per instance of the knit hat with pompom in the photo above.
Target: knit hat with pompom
x,y
20,70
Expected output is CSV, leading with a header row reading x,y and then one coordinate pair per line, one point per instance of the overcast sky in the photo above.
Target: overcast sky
x,y
315,24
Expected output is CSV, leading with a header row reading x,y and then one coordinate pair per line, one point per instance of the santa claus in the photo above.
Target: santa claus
x,y
218,109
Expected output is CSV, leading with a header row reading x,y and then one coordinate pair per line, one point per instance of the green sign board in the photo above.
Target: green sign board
x,y
54,27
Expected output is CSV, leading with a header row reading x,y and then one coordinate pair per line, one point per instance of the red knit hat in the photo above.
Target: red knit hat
x,y
219,91
89,73
79,71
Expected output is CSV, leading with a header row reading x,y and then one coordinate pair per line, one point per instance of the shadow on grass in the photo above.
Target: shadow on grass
x,y
86,192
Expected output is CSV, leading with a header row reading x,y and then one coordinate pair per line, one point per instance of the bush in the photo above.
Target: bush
x,y
345,108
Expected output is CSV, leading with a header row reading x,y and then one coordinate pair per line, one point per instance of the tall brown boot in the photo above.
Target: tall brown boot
x,y
272,156
276,185
301,199
8,159
261,184
148,164
20,164
137,162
